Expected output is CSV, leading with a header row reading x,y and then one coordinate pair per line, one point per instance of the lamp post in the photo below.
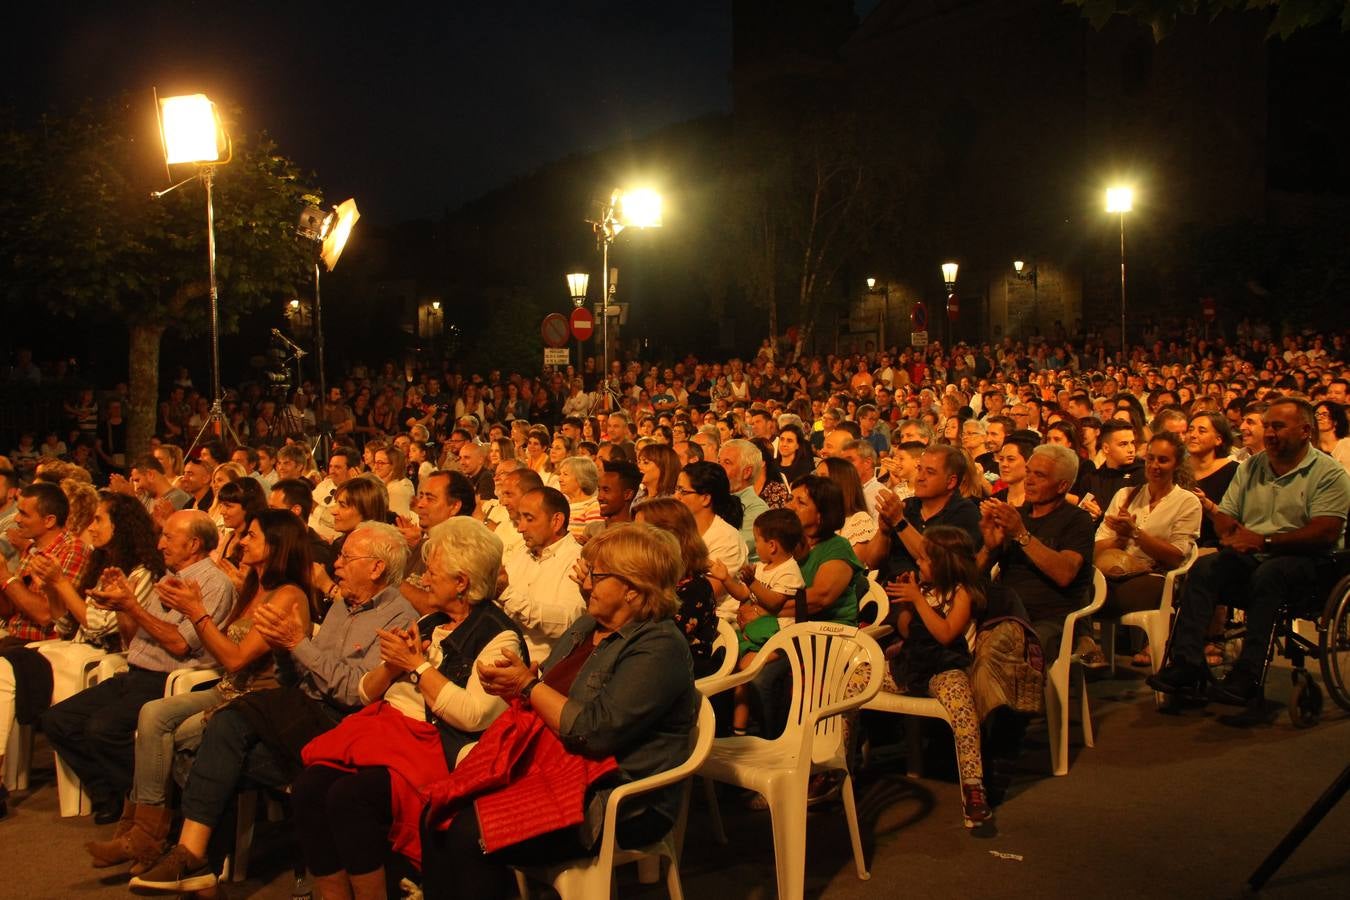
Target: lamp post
x,y
192,134
331,231
1121,200
949,279
624,209
577,284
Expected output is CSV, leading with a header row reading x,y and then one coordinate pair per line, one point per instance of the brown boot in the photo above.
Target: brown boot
x,y
149,839
110,852
143,843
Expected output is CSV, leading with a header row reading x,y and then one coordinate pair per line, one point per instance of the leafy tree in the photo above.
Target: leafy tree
x,y
82,237
1288,16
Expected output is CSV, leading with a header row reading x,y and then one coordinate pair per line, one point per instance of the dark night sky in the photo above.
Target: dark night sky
x,y
411,107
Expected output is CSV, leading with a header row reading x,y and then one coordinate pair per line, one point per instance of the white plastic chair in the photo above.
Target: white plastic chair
x,y
1057,684
1156,623
70,795
823,657
876,594
592,878
730,646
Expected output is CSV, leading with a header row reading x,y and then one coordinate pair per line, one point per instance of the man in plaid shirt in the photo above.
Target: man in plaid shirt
x,y
41,520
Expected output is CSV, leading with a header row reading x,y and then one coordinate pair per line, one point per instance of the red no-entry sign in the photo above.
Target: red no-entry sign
x,y
583,323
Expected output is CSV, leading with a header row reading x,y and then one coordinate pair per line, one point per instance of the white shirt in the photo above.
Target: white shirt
x,y
499,520
859,528
321,518
870,491
782,578
1176,520
725,544
541,596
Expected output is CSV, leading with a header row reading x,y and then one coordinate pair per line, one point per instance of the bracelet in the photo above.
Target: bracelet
x,y
10,580
524,693
198,620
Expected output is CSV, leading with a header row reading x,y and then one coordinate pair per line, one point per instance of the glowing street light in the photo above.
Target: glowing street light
x,y
871,284
949,275
191,133
577,284
1120,200
640,208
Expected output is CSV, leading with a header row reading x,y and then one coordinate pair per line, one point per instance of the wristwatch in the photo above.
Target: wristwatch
x,y
416,674
1023,539
527,689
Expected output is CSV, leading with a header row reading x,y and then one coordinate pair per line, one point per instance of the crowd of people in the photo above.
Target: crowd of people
x,y
498,567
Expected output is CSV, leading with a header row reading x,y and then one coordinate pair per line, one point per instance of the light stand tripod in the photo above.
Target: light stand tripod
x,y
215,423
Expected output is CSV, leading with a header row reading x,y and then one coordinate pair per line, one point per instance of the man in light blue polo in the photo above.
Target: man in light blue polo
x,y
743,462
1285,509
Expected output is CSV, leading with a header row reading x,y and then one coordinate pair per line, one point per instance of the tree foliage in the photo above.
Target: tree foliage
x,y
1287,16
82,236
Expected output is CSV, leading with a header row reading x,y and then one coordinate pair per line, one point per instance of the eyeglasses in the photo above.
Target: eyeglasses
x,y
351,559
596,577
685,491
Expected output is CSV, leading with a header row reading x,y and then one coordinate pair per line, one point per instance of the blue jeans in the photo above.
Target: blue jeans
x,y
163,726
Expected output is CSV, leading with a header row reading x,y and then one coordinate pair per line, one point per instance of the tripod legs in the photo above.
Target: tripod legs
x,y
1301,830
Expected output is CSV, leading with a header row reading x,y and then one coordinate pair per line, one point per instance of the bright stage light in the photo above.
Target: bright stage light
x,y
191,129
1119,199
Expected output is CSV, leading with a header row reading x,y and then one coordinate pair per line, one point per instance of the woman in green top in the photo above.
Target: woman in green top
x,y
830,568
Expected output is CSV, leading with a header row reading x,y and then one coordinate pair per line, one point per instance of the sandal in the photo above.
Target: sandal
x,y
1213,653
1143,659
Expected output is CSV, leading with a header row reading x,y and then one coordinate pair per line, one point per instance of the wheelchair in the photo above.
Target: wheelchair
x,y
1327,608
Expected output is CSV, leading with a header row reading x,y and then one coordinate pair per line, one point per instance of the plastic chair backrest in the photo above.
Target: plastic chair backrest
x,y
876,596
823,657
730,647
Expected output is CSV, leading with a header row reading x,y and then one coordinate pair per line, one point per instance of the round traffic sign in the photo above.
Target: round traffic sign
x,y
583,323
554,330
919,316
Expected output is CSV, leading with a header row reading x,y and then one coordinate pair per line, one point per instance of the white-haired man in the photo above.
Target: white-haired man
x,y
743,463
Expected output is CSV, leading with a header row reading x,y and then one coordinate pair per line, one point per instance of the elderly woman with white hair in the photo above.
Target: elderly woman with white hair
x,y
578,479
425,704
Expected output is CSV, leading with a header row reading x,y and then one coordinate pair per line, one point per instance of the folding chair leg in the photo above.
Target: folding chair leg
x,y
1086,713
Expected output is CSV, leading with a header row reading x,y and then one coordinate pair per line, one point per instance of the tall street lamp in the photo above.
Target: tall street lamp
x,y
949,279
1120,200
624,209
192,134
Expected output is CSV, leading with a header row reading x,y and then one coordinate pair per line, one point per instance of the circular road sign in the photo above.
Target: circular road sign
x,y
554,330
919,316
583,323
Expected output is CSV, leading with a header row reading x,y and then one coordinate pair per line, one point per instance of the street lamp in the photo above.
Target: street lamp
x,y
330,231
191,133
1120,199
577,283
949,279
871,284
624,209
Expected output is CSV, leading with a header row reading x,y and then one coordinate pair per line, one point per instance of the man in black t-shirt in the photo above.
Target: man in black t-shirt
x,y
1043,549
937,500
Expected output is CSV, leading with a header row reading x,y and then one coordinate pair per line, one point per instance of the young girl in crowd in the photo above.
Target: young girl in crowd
x,y
767,599
937,623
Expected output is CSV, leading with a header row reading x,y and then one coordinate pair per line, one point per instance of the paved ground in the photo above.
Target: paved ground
x,y
1163,806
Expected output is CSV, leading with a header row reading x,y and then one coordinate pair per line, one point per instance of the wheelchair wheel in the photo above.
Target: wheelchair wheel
x,y
1335,649
1305,702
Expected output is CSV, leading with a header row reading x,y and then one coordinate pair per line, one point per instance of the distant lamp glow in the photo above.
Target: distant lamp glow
x,y
1119,199
639,209
949,273
295,305
191,129
1018,265
871,284
436,305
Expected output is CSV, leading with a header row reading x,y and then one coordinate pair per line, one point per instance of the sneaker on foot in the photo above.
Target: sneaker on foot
x,y
975,805
177,872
